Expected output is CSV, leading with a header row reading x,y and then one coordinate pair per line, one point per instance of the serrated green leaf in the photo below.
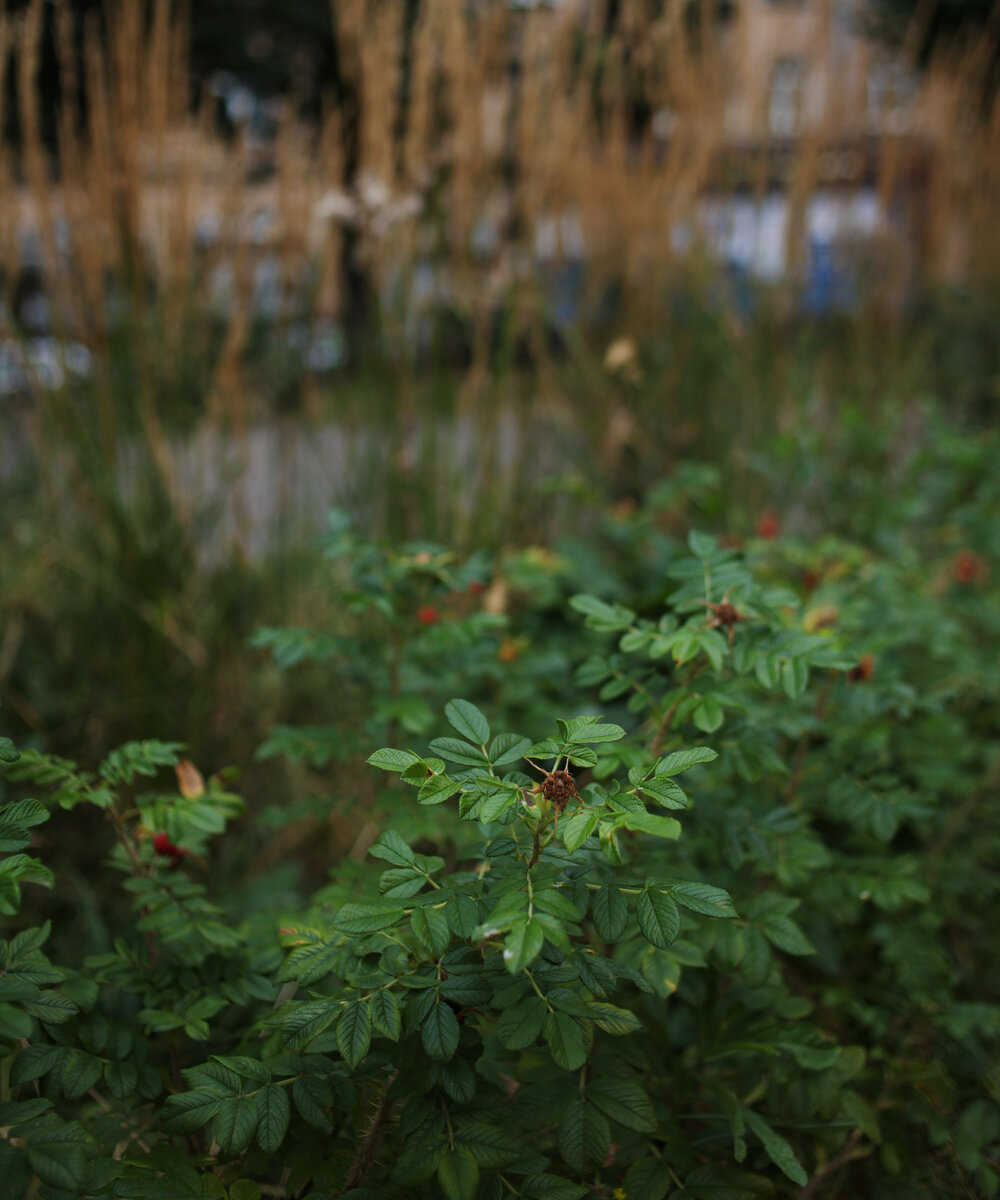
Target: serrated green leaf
x,y
245,1067
784,933
459,1080
507,748
440,1032
606,618
647,1179
577,829
704,899
354,1032
436,789
523,944
366,918
462,914
392,848
584,1137
186,1112
8,751
51,1007
609,911
645,822
273,1116
313,1098
588,735
431,929
467,720
385,1014
59,1157
564,1038
664,792
542,1186
778,1150
235,1123
388,759
681,760
521,1025
458,752
458,1174
78,1073
122,1079
659,919
624,1102
855,1106
34,1062
614,1020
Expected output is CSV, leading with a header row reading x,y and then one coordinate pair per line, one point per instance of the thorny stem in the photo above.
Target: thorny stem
x,y
364,1159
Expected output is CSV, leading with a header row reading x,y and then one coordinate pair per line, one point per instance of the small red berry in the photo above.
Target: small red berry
x,y
476,588
427,614
968,567
768,525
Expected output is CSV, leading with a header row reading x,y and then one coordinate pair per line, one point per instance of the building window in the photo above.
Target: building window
x,y
891,90
788,80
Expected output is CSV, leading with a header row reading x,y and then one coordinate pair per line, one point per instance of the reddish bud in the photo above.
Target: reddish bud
x,y
810,580
165,847
863,671
768,525
476,588
427,614
968,567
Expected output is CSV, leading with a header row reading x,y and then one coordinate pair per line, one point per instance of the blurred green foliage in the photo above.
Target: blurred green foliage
x,y
825,663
